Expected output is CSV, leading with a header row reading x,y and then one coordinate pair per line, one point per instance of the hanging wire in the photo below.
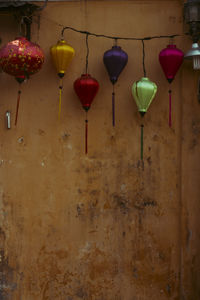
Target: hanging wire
x,y
116,37
87,54
22,26
143,58
171,40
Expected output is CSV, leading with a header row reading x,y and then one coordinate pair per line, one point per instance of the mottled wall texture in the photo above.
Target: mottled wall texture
x,y
99,226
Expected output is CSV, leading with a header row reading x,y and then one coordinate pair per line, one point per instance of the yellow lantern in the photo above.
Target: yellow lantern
x,y
61,54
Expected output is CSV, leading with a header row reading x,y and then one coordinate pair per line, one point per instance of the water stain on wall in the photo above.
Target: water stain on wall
x,y
7,285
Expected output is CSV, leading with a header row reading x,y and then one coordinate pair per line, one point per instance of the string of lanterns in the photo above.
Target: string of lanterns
x,y
21,58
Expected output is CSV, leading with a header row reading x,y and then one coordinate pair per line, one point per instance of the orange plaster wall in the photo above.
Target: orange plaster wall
x,y
99,227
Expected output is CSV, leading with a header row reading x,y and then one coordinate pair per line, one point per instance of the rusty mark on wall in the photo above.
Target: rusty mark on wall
x,y
7,285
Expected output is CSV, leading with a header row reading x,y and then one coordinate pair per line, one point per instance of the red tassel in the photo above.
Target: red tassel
x,y
17,109
86,136
170,108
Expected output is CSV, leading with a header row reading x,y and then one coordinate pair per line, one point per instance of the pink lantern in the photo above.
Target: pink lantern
x,y
170,59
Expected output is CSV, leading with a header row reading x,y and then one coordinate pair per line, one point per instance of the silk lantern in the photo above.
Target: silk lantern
x,y
86,89
115,60
61,54
170,59
21,58
143,92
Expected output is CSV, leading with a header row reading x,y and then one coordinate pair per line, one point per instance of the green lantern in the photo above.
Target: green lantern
x,y
143,92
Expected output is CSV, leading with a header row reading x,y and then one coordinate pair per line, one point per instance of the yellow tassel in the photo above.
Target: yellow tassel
x,y
60,98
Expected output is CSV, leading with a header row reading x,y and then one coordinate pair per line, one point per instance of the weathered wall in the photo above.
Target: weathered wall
x,y
98,226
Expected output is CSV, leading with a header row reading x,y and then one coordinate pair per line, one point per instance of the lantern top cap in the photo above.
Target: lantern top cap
x,y
85,75
116,46
62,41
145,78
21,38
194,51
171,46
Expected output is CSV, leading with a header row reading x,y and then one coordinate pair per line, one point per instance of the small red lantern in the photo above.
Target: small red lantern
x,y
86,89
170,59
21,58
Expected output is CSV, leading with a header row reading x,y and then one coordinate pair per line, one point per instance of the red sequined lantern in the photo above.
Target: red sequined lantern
x,y
21,58
86,89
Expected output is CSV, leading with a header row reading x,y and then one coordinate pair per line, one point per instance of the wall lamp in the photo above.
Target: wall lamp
x,y
192,18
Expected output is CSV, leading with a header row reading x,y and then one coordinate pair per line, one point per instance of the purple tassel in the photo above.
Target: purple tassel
x,y
113,107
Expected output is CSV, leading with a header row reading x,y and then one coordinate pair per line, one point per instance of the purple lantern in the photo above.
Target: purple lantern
x,y
115,60
170,59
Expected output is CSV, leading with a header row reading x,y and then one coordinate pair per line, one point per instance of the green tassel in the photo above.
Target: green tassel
x,y
142,146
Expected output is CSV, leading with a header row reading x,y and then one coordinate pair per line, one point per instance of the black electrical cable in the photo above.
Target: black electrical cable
x,y
117,37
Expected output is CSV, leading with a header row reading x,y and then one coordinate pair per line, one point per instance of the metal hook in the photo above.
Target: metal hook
x,y
8,119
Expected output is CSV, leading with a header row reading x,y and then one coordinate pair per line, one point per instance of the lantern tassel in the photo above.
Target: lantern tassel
x,y
86,136
60,98
142,142
170,108
113,107
17,108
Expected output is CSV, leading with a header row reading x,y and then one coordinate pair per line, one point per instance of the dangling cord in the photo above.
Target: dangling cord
x,y
143,58
113,95
171,40
18,101
86,134
87,54
170,108
60,98
142,142
113,107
